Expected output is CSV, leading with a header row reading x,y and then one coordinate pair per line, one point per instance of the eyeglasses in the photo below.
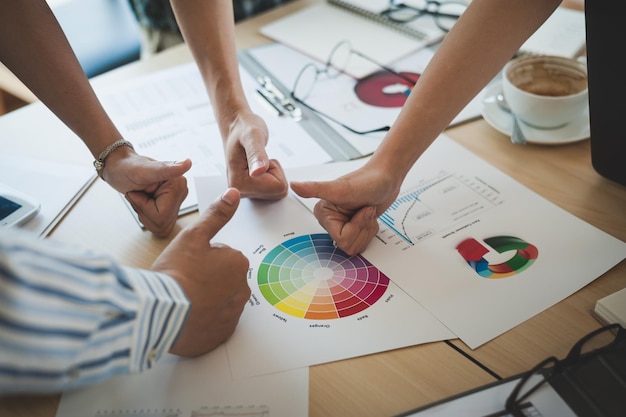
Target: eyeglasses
x,y
516,402
336,65
551,368
445,14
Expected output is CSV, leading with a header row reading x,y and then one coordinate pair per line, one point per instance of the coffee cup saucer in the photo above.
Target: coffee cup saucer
x,y
502,121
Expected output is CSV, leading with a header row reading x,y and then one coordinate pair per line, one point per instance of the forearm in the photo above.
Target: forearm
x,y
33,46
71,317
483,40
208,29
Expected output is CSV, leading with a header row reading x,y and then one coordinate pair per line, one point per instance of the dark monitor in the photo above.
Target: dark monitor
x,y
605,28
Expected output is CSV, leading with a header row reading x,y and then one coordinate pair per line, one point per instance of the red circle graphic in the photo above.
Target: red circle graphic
x,y
384,89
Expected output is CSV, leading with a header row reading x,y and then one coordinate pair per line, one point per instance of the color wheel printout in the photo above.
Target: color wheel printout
x,y
311,303
476,248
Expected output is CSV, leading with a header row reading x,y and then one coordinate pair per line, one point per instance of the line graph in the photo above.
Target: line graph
x,y
435,205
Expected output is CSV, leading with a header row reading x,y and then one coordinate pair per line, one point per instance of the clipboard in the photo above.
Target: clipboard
x,y
276,94
344,100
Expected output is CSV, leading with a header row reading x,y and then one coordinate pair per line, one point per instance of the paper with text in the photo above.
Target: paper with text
x,y
361,104
311,303
167,116
479,250
178,387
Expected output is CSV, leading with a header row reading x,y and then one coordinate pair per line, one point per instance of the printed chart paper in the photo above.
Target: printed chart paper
x,y
480,251
311,303
167,116
366,103
199,387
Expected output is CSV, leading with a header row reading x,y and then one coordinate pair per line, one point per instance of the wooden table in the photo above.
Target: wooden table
x,y
563,175
387,383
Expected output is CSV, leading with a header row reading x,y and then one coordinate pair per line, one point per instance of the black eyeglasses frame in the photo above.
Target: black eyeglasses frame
x,y
431,8
326,70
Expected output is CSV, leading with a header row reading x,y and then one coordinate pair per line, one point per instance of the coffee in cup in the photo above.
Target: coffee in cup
x,y
545,91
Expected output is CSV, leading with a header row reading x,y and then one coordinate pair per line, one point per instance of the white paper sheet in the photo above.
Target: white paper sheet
x,y
167,115
315,30
337,97
541,253
198,387
56,185
310,303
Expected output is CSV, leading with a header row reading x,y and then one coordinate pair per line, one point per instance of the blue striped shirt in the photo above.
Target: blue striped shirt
x,y
71,317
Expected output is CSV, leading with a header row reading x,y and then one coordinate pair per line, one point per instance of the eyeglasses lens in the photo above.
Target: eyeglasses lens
x,y
339,59
445,14
305,82
404,12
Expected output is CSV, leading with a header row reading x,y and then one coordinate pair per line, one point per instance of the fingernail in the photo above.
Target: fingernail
x,y
178,163
228,196
255,166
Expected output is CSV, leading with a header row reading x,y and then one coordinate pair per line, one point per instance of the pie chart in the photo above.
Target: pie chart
x,y
384,89
308,277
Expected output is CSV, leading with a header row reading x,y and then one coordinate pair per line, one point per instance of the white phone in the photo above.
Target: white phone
x,y
16,208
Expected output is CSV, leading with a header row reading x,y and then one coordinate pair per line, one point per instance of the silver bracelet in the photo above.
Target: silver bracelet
x,y
99,163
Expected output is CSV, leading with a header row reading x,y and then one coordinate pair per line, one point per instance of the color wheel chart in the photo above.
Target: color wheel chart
x,y
308,277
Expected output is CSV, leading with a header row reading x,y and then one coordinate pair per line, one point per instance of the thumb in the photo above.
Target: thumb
x,y
308,189
258,161
168,170
220,212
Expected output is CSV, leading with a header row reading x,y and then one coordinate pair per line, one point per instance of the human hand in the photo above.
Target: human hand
x,y
154,189
213,276
350,205
248,167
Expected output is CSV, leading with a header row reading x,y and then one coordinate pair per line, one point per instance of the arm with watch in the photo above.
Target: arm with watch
x,y
31,40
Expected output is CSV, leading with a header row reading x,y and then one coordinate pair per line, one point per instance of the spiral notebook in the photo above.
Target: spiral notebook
x,y
317,29
423,28
563,33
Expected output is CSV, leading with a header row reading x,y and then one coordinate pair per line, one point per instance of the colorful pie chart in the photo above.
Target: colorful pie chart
x,y
523,255
308,277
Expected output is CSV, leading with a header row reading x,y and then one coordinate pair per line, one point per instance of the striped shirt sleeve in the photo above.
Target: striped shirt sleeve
x,y
71,317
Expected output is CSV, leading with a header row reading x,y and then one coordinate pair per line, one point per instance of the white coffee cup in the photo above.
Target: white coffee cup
x,y
545,91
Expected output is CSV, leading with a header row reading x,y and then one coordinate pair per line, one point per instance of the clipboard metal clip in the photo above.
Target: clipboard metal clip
x,y
281,104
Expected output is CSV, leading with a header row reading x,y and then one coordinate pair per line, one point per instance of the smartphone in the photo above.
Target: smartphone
x,y
16,208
